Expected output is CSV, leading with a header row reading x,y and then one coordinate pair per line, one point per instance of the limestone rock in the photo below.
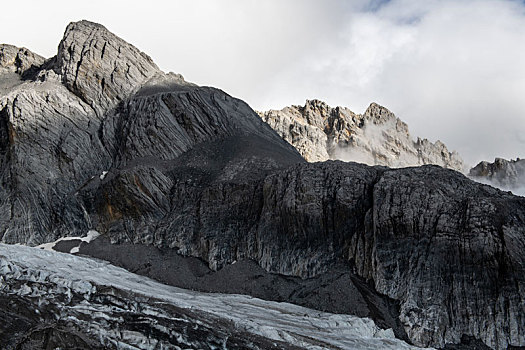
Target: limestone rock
x,y
18,60
99,67
99,138
377,137
462,239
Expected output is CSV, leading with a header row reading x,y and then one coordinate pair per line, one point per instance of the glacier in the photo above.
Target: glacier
x,y
97,298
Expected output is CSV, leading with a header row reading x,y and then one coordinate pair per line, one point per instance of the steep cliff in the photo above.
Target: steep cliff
x,y
98,138
377,137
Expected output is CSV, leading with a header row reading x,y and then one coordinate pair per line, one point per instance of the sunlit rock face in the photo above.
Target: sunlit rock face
x,y
376,137
97,138
120,67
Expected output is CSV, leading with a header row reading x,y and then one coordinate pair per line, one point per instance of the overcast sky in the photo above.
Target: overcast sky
x,y
453,70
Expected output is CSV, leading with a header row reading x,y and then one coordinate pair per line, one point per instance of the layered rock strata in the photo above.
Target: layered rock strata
x,y
98,138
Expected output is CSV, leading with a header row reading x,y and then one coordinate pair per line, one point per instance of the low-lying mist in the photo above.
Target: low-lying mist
x,y
507,175
390,144
519,190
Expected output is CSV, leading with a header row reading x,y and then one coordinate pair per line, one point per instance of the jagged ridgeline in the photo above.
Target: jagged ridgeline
x,y
377,137
98,137
502,173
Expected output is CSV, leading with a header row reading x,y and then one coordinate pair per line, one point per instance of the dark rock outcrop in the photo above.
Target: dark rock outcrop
x,y
107,142
337,291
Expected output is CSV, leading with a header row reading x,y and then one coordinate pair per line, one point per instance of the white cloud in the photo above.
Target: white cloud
x,y
453,70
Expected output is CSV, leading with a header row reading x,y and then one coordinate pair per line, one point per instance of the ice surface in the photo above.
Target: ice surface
x,y
277,321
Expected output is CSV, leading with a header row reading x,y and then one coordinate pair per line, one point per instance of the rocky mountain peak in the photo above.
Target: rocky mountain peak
x,y
61,128
502,173
376,137
316,105
18,60
377,111
378,114
193,171
99,67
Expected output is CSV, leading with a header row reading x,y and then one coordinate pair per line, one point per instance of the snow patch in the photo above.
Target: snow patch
x,y
91,235
103,175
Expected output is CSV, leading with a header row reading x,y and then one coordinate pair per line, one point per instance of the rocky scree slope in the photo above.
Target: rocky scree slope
x,y
377,137
98,138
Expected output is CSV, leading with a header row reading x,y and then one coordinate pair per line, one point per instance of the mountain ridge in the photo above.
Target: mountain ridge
x,y
376,137
502,173
146,158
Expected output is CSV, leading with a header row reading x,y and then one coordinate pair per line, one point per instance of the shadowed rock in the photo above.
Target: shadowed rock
x,y
19,60
101,139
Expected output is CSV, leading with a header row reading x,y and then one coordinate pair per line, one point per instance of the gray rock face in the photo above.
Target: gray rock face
x,y
99,67
147,158
461,239
508,174
429,238
18,60
49,148
376,137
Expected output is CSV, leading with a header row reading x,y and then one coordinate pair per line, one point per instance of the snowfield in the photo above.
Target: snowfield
x,y
72,284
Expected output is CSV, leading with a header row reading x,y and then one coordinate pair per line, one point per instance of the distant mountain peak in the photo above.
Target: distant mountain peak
x,y
379,114
376,137
502,173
